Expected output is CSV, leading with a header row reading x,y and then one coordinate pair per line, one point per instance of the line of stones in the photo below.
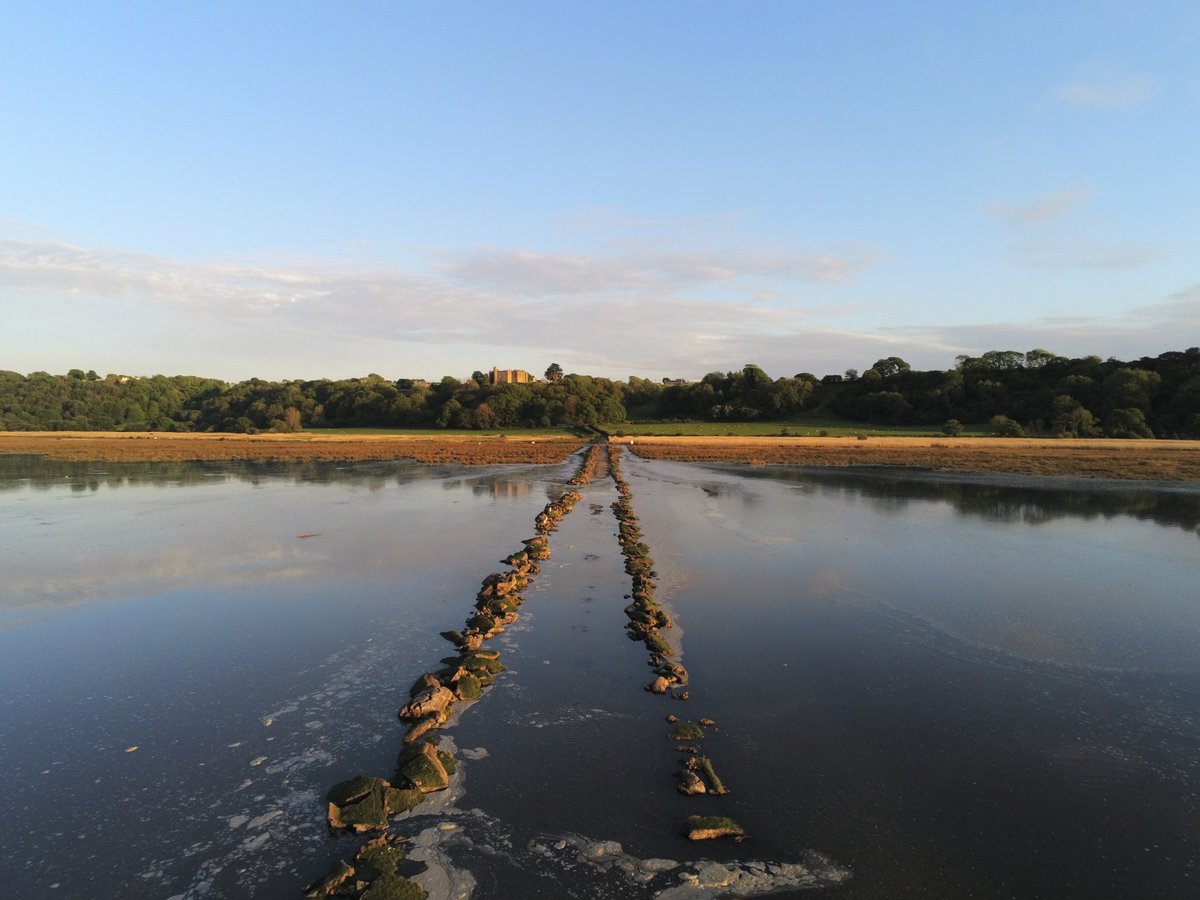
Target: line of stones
x,y
647,621
364,804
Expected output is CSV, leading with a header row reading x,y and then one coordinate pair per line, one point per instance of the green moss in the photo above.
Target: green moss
x,y
468,687
686,731
354,789
368,812
715,786
376,859
475,663
481,623
452,636
398,800
394,887
449,763
421,767
656,644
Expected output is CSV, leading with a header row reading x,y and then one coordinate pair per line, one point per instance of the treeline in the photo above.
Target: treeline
x,y
83,401
1037,393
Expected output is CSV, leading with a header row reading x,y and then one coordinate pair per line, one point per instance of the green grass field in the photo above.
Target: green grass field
x,y
803,428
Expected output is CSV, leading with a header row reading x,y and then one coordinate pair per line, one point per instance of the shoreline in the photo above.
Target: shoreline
x,y
1131,460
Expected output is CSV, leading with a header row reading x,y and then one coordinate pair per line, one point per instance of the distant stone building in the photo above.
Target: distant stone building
x,y
510,376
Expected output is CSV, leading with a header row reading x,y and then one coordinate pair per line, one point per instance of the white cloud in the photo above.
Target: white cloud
x,y
1106,89
1039,210
654,314
1123,255
533,274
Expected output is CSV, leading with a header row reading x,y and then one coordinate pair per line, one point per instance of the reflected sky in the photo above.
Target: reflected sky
x,y
89,533
1074,573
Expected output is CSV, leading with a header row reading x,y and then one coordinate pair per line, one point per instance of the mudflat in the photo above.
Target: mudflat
x,y
166,446
1141,460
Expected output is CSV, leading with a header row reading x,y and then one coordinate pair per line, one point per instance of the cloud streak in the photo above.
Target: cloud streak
x,y
1107,90
652,313
1040,210
1122,255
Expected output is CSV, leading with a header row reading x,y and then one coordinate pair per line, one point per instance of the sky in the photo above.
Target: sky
x,y
631,187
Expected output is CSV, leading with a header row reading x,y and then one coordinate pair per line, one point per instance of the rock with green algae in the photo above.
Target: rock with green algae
x,y
704,765
423,767
430,701
686,731
364,804
373,876
706,828
469,687
394,887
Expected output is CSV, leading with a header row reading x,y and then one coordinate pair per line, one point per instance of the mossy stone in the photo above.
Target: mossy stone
x,y
363,815
399,800
377,858
422,768
655,643
394,887
481,623
715,785
469,687
686,731
353,790
329,885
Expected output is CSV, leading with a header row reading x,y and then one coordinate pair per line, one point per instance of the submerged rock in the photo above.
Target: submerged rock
x,y
659,685
691,783
686,731
706,828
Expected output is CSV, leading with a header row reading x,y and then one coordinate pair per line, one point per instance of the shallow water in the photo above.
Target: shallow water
x,y
951,687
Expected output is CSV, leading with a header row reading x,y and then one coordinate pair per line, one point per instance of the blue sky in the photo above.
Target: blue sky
x,y
306,190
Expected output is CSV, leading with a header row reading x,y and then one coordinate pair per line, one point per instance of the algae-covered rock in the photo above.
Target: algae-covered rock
x,y
422,768
469,687
656,644
422,727
373,875
432,700
377,857
358,810
400,800
706,828
424,683
705,766
481,624
330,884
353,790
686,731
394,887
452,636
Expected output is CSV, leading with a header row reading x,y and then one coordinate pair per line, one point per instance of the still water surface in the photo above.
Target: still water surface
x,y
951,687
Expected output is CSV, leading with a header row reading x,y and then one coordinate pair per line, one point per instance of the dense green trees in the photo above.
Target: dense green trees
x,y
1036,393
